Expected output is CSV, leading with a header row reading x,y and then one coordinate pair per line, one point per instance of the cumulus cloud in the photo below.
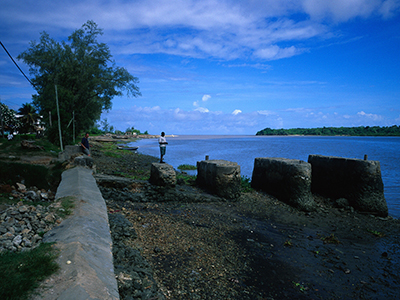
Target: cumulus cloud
x,y
206,97
236,112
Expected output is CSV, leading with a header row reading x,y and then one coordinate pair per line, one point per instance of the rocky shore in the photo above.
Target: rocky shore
x,y
183,243
23,224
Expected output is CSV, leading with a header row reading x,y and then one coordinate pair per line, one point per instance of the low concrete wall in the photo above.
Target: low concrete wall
x,y
220,177
359,181
84,241
287,179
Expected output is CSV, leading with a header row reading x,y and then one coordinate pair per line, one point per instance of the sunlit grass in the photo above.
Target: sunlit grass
x,y
21,272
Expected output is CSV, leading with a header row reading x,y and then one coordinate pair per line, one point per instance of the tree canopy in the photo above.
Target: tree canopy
x,y
8,119
28,117
330,131
86,77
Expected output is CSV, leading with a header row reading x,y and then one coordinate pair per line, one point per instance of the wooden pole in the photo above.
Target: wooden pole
x,y
59,120
73,125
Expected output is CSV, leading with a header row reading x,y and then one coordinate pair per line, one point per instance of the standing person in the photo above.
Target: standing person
x,y
163,145
85,144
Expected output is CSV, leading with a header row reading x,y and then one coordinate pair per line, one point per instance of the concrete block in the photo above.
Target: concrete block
x,y
162,174
287,179
359,181
220,177
69,151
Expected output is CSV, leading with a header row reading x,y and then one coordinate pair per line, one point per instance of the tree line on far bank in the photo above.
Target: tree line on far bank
x,y
334,131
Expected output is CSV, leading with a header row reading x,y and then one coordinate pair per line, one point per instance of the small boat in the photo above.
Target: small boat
x,y
127,148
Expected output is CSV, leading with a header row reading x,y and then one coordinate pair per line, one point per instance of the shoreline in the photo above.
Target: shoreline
x,y
256,247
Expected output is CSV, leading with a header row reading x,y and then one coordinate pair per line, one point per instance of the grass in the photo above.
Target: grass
x,y
376,233
188,179
331,239
13,147
187,167
67,204
21,272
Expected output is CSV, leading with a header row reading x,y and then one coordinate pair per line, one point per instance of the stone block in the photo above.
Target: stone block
x,y
220,177
287,179
359,181
84,160
69,151
162,174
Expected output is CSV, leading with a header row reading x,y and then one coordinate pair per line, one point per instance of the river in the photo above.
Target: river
x,y
244,149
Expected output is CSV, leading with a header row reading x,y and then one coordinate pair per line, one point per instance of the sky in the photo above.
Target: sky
x,y
226,66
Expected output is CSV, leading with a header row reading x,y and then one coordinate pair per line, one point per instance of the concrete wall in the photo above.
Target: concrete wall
x,y
359,181
84,240
287,179
220,177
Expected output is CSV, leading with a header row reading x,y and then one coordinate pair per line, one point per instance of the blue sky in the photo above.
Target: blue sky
x,y
229,67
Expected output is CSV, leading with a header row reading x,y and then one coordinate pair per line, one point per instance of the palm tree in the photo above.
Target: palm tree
x,y
28,117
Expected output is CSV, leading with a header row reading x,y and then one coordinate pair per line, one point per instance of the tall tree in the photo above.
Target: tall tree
x,y
8,120
87,79
28,118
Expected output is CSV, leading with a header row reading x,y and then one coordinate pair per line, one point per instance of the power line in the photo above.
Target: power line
x,y
16,64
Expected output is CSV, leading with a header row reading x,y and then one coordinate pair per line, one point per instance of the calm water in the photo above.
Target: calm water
x,y
243,150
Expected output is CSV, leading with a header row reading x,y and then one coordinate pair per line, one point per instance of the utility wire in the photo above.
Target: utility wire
x,y
16,64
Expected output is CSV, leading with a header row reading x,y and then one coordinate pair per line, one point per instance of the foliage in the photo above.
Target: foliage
x,y
21,272
28,118
246,184
187,167
133,130
86,77
333,131
9,121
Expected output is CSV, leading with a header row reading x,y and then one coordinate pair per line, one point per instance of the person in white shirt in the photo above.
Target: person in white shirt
x,y
163,145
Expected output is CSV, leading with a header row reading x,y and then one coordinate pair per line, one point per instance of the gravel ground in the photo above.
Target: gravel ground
x,y
253,248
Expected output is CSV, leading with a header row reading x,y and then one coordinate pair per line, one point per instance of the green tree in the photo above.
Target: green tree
x,y
8,119
28,118
87,79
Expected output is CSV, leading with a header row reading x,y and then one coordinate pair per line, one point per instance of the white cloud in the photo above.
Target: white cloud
x,y
247,29
374,117
236,112
202,109
206,97
274,52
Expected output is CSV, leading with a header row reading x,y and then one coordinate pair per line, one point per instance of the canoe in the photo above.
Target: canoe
x,y
127,148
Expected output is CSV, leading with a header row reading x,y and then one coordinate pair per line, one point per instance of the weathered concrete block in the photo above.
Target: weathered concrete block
x,y
220,177
287,179
84,160
359,181
162,175
69,151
